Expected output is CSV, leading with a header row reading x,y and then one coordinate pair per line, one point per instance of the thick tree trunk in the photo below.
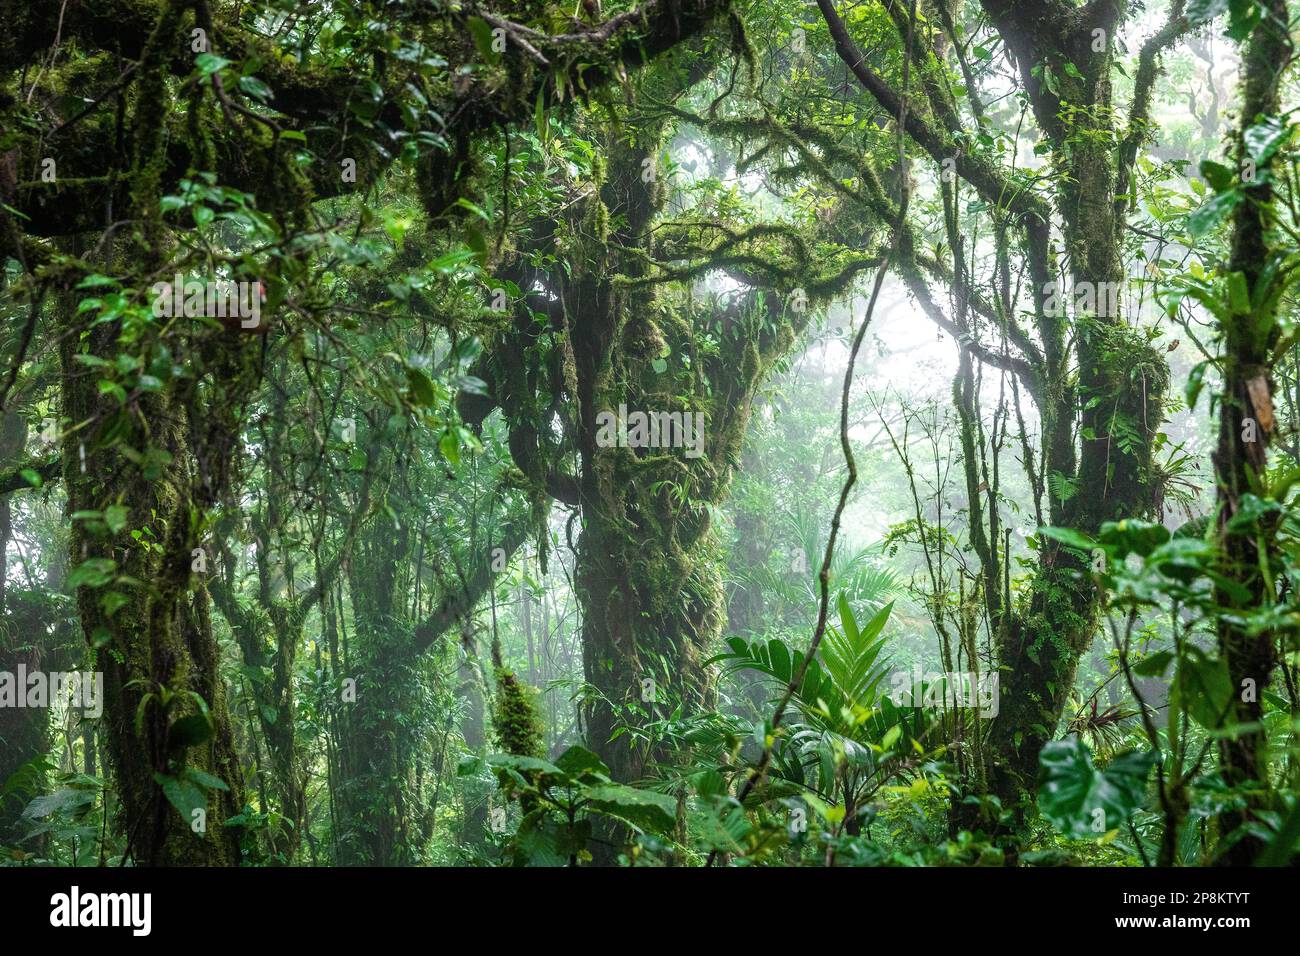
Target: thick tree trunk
x,y
160,643
652,612
1246,425
1118,401
647,574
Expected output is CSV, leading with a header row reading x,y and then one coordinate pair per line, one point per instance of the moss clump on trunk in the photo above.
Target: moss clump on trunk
x,y
514,717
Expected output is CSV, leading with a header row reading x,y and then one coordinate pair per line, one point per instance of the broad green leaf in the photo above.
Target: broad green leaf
x,y
1209,214
482,33
183,795
67,800
643,809
1265,138
1070,538
542,840
92,573
579,761
422,388
116,517
205,780
1153,665
190,731
1082,801
209,63
1219,176
1132,536
533,765
1205,687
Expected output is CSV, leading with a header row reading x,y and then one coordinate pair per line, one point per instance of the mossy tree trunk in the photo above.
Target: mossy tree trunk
x,y
1246,427
1092,371
159,643
648,575
648,565
648,588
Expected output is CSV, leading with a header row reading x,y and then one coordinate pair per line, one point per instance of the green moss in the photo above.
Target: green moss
x,y
514,717
152,107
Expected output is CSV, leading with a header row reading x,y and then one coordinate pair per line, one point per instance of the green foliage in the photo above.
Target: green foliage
x,y
1084,801
838,690
565,799
61,827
